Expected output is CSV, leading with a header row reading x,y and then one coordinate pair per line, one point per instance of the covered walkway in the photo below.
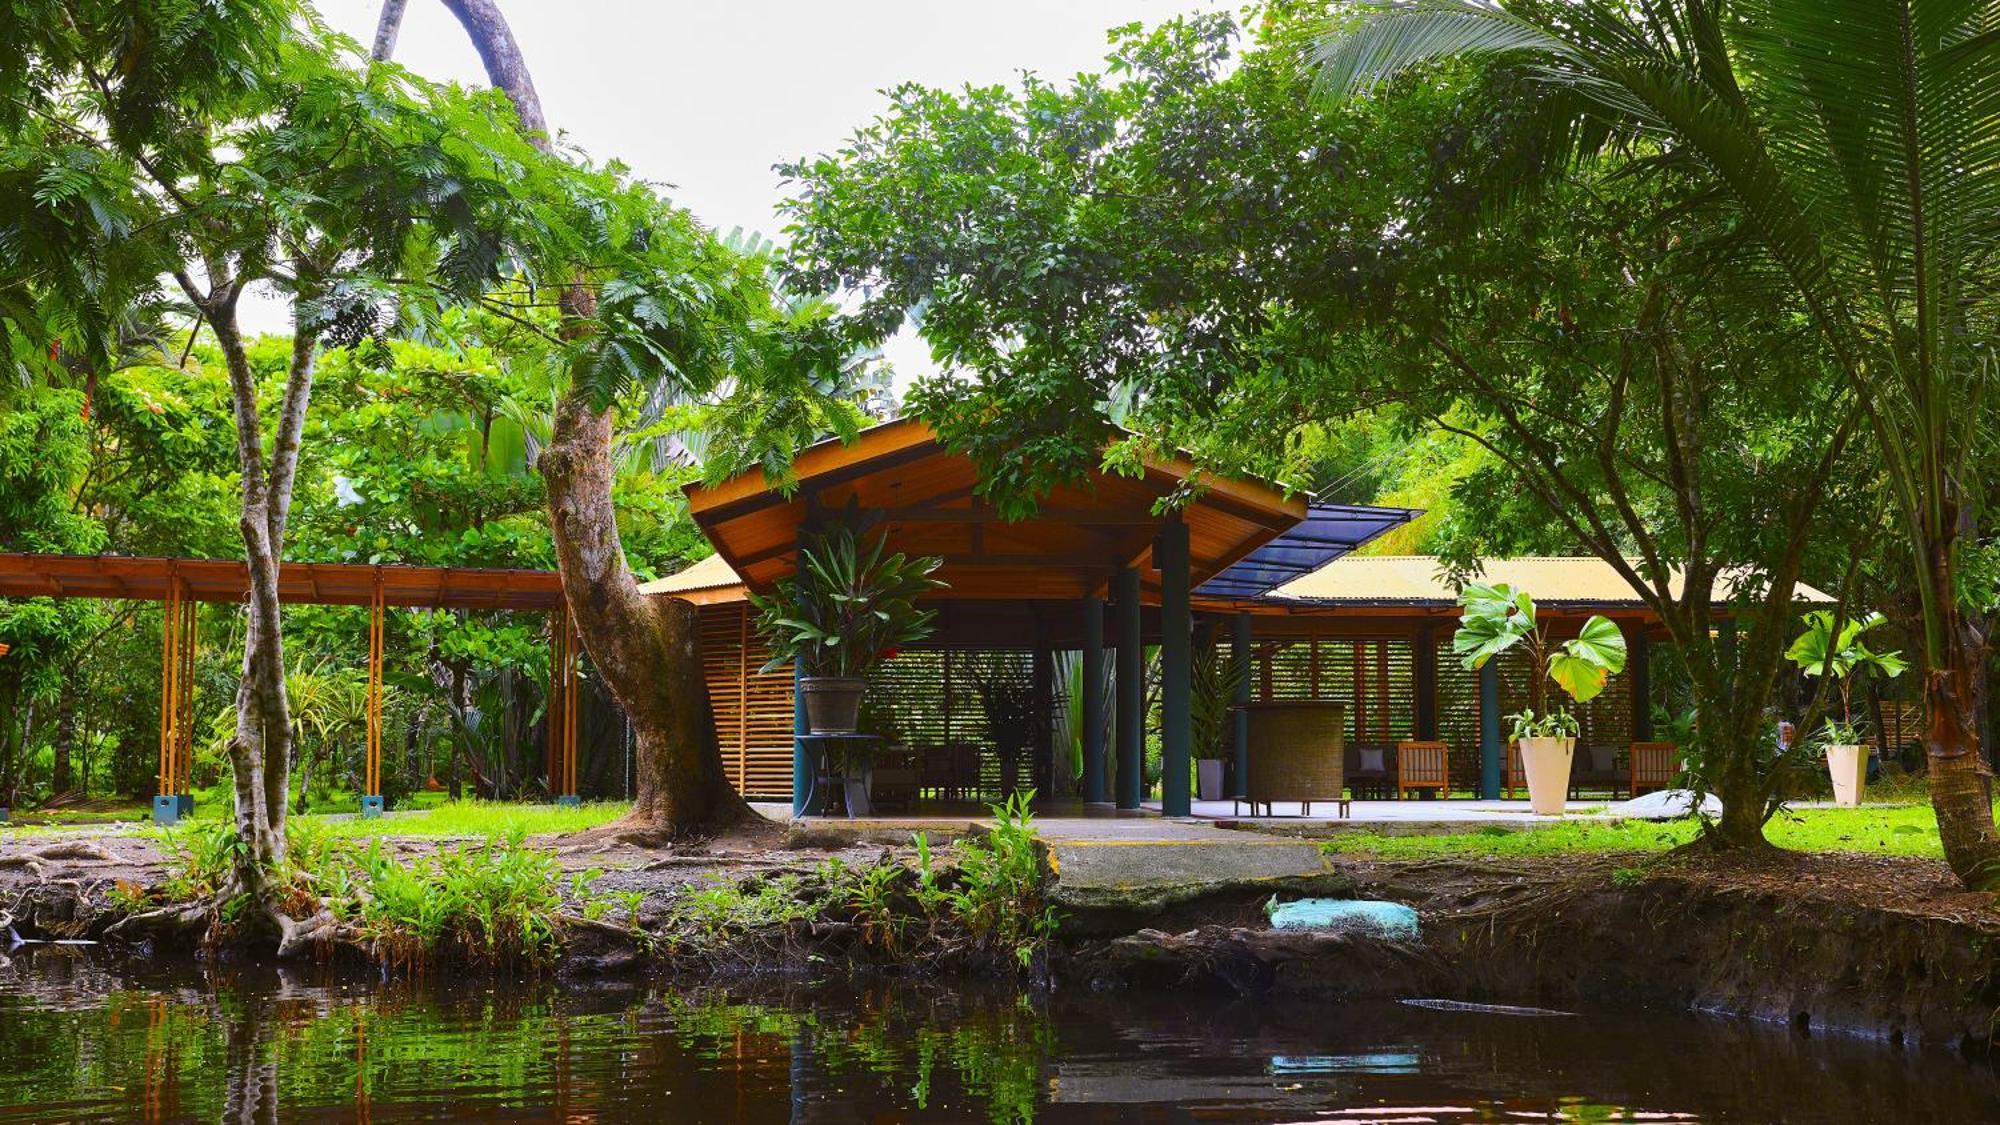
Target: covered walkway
x,y
180,584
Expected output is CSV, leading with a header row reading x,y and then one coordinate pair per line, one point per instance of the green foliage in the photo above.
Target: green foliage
x,y
493,902
1497,617
1904,830
1819,651
986,909
1001,878
848,605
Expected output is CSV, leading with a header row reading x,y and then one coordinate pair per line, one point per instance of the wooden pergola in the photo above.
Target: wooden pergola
x,y
180,584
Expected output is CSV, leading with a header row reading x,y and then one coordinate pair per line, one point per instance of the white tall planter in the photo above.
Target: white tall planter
x,y
1849,767
1547,762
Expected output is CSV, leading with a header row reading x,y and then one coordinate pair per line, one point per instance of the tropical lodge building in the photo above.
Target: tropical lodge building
x,y
1091,652
1092,648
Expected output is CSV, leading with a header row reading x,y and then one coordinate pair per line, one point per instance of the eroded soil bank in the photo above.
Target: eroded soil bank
x,y
1886,948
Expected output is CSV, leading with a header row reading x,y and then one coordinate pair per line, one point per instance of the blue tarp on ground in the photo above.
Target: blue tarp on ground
x,y
1390,920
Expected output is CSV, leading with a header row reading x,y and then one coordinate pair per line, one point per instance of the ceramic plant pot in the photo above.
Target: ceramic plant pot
x,y
1849,767
1547,764
833,703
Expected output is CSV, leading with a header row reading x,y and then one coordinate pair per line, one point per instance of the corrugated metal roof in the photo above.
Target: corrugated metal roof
x,y
710,573
1581,580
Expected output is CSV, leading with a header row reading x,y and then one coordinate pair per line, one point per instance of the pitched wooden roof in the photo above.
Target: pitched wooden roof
x,y
228,580
923,493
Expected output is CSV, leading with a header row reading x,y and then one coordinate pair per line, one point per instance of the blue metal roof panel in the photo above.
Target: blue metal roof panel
x,y
1328,532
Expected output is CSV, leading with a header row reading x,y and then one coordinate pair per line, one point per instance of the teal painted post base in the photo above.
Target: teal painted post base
x,y
1239,718
166,810
569,801
187,804
1492,751
1176,680
5,812
371,807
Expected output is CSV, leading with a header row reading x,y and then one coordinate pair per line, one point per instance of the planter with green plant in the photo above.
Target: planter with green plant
x,y
1846,657
849,604
1497,617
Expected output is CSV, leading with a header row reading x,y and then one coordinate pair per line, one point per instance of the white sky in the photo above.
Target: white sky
x,y
706,95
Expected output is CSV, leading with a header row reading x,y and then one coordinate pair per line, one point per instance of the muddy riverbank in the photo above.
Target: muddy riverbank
x,y
1855,945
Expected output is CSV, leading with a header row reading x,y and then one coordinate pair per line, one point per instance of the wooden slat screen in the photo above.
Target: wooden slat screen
x,y
931,699
1375,675
1604,720
753,710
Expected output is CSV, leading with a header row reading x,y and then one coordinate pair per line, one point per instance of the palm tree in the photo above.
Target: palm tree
x,y
1855,145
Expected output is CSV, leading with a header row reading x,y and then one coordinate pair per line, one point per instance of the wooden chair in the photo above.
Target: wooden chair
x,y
1422,765
1517,774
1654,766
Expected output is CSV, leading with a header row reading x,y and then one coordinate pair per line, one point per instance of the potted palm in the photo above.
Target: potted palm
x,y
1845,656
1497,617
849,603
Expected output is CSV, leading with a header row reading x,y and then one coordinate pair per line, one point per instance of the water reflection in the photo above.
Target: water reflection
x,y
86,1040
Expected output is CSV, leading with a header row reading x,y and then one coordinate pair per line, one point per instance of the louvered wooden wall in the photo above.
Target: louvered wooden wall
x,y
1604,720
753,710
1374,675
931,699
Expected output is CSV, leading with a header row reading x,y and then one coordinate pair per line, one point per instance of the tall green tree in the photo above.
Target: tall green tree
x,y
645,297
226,146
1192,244
1852,154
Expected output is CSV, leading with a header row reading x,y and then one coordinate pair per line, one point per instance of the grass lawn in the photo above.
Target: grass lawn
x,y
1904,830
474,817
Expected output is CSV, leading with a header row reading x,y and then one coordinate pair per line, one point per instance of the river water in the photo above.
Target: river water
x,y
83,1039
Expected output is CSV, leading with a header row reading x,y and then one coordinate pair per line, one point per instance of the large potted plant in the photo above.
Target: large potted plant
x,y
1497,617
848,604
1845,657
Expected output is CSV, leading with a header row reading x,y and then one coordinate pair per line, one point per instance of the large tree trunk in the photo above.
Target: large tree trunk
x,y
260,752
646,650
1960,779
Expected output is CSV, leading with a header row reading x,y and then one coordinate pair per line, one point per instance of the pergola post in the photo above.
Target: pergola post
x,y
1239,717
1492,750
1638,660
1131,689
1424,666
802,771
1094,791
1176,651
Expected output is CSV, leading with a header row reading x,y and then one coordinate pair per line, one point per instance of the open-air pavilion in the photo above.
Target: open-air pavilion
x,y
1046,624
180,584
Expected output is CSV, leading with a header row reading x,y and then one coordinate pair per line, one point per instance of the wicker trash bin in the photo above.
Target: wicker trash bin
x,y
1295,753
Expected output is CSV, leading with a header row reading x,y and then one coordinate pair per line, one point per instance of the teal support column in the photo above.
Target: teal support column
x,y
1170,552
1094,790
1492,751
1239,719
1639,666
1131,731
802,770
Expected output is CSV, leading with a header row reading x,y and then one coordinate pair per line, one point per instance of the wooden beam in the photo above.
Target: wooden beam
x,y
981,514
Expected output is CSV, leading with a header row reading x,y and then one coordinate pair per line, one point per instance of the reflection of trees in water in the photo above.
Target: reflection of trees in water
x,y
993,1047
